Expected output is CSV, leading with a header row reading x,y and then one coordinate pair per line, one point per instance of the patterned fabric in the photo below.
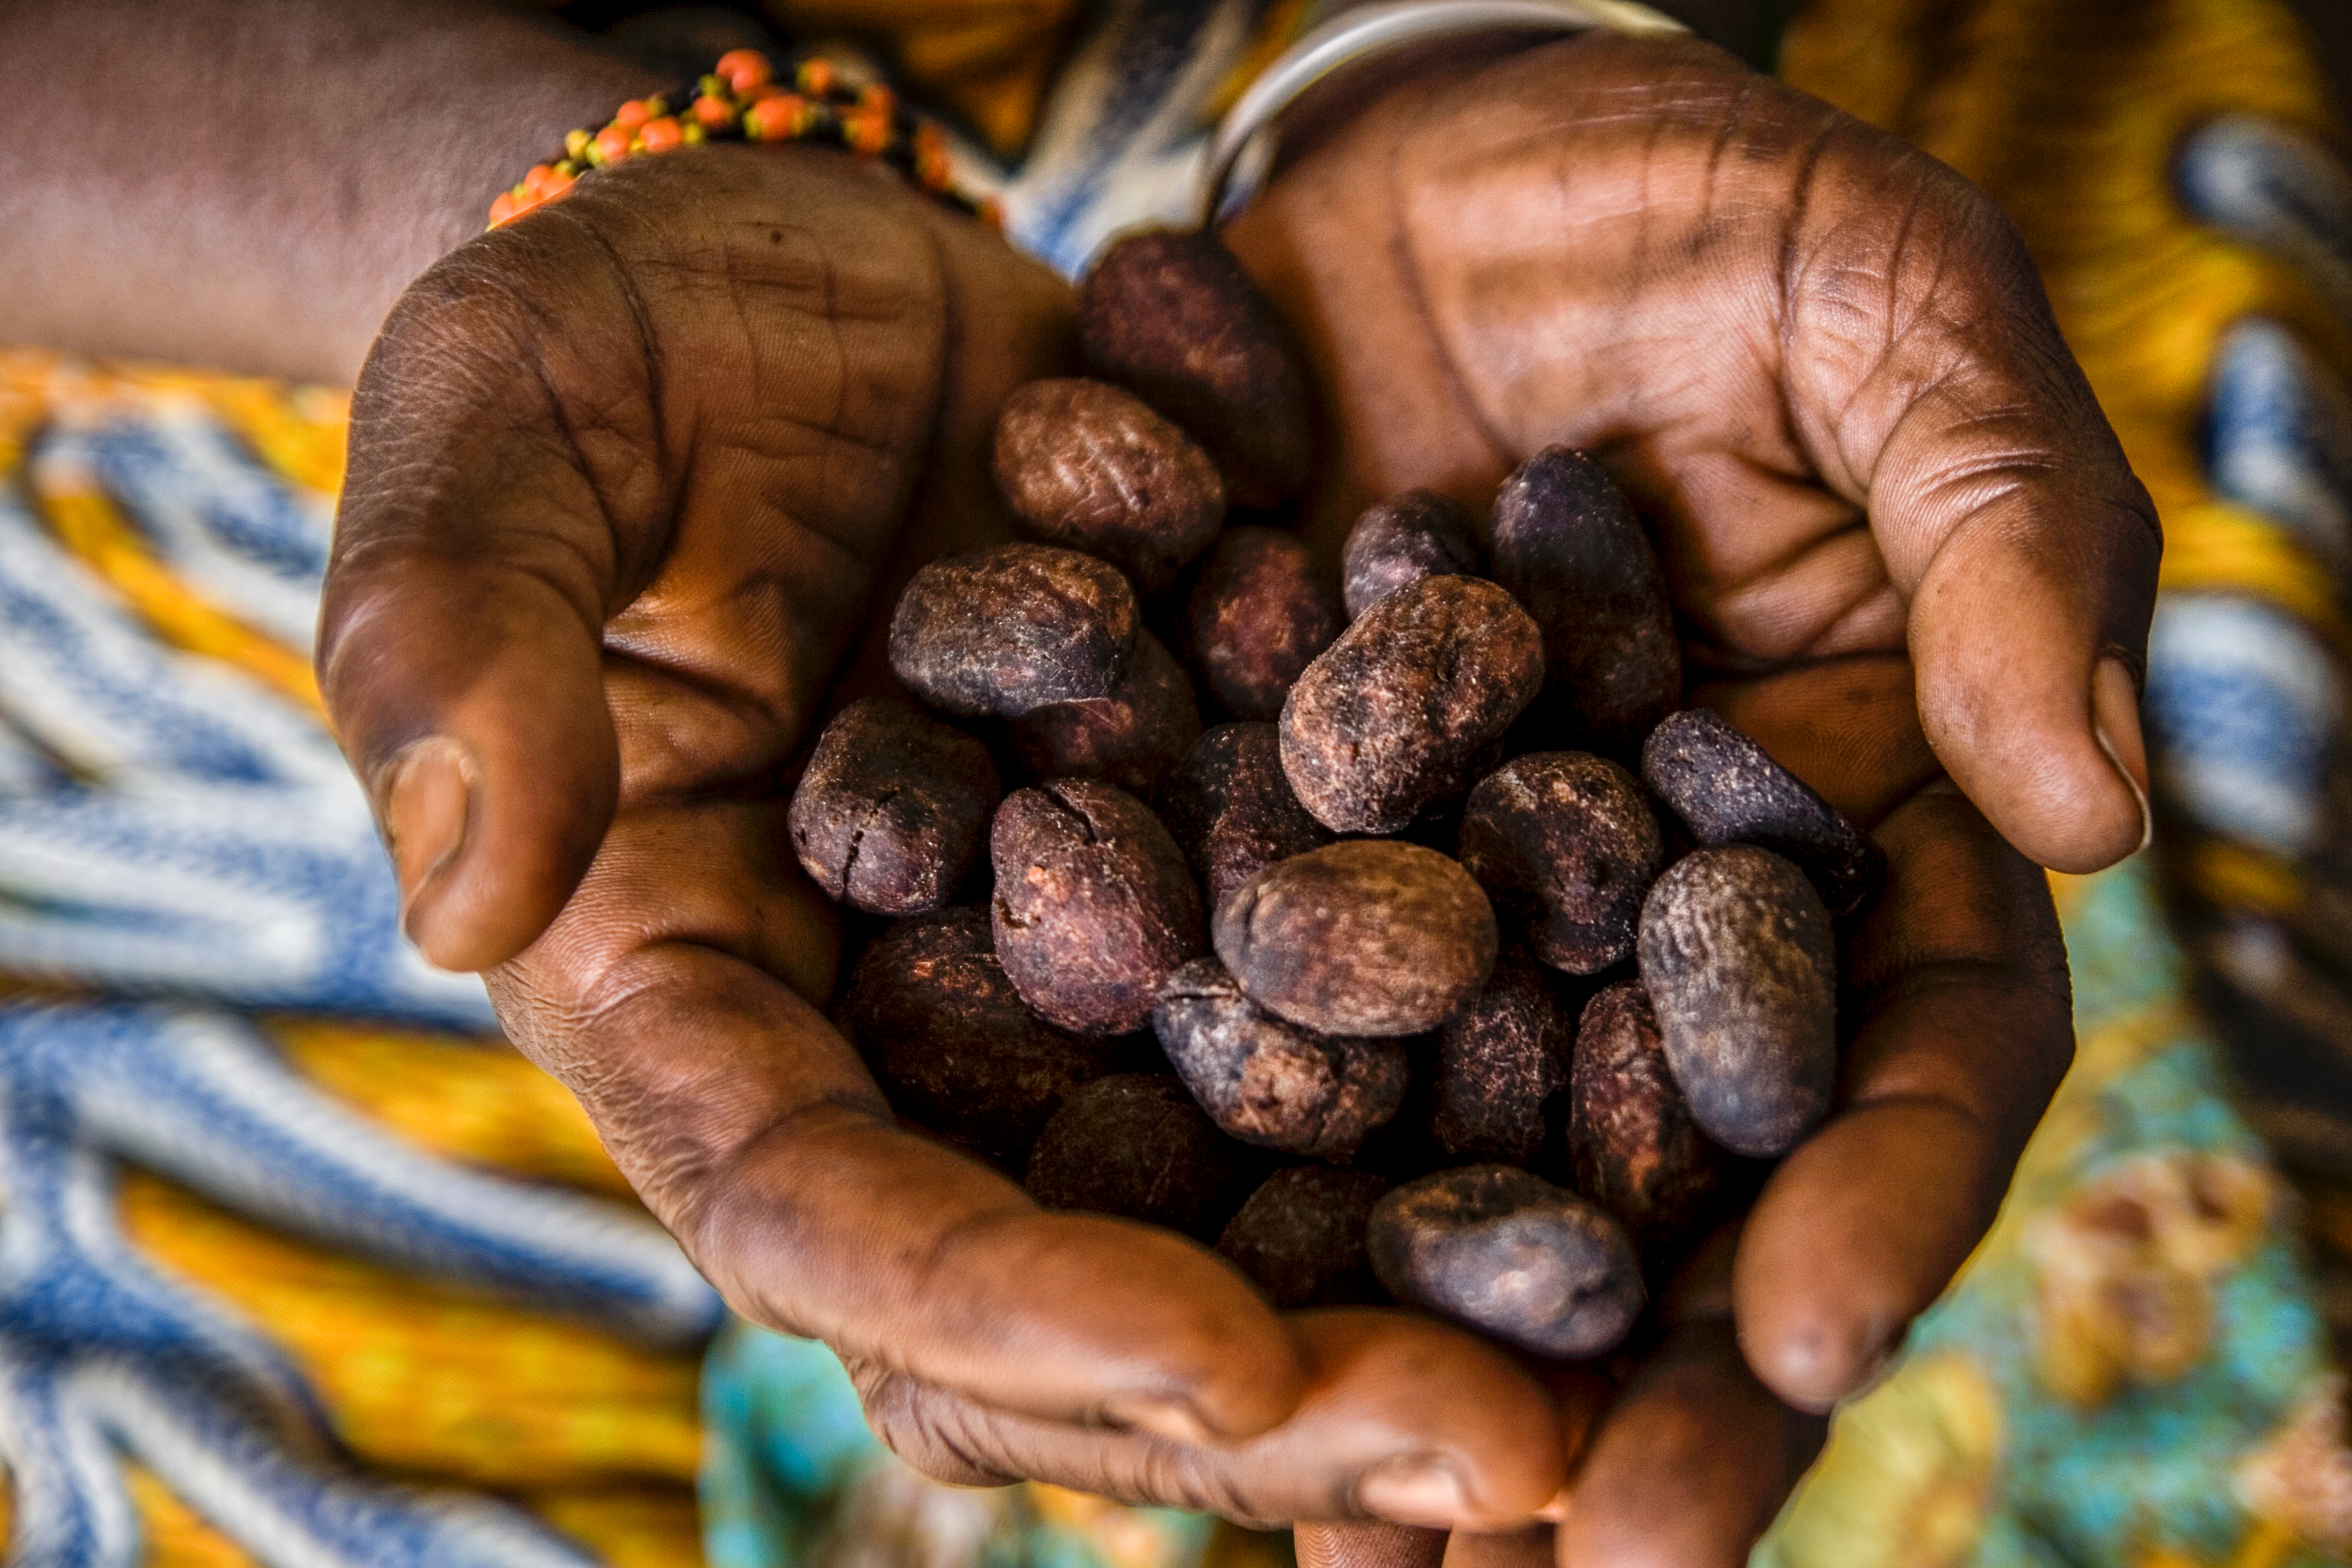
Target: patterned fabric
x,y
278,1285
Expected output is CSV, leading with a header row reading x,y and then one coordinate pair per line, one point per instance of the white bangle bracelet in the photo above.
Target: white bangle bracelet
x,y
1243,150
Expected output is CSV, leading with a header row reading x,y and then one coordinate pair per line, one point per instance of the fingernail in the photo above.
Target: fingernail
x,y
1174,1419
424,816
1412,1491
2114,721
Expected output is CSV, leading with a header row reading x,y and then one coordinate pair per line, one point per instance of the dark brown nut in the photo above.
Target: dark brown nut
x,y
1563,540
1497,1060
1260,613
1393,716
1737,960
1366,937
1090,467
1231,810
1728,790
1173,317
1632,1144
1136,1146
1565,845
1131,737
1403,540
1509,1253
1013,627
1301,1238
1269,1082
888,816
1094,906
928,1007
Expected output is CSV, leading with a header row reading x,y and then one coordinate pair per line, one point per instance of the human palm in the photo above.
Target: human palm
x,y
633,481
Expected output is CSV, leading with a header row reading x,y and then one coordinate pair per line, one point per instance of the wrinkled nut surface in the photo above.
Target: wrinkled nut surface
x,y
1507,1252
889,815
1632,1144
1173,317
1562,539
1368,937
1131,737
1013,627
1566,847
1094,905
1259,614
1403,539
1728,790
1232,811
1136,1146
1497,1062
1300,1237
1413,696
1091,467
1737,960
1269,1082
949,1041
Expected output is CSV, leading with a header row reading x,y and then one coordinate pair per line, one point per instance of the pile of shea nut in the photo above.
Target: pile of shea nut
x,y
1399,986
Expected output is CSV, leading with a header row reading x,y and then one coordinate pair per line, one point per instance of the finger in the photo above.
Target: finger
x,y
1370,1546
1530,1546
1958,978
2000,498
519,473
1402,1418
1690,1465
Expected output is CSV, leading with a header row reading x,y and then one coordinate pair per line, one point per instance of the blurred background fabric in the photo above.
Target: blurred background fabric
x,y
301,1263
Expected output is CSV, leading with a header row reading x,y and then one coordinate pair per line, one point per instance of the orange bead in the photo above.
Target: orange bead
x,y
632,114
502,210
878,99
744,69
866,131
661,135
933,169
712,112
776,118
817,76
559,183
534,183
612,144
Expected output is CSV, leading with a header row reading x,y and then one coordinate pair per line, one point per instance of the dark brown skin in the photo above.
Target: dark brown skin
x,y
1566,847
1269,1082
1131,737
1404,708
1563,540
1135,1146
1510,1254
1300,1237
1091,467
577,603
1366,937
1232,811
1632,1144
1403,539
1496,1061
892,811
1738,963
1094,905
1260,613
1171,317
1012,629
951,1043
1727,789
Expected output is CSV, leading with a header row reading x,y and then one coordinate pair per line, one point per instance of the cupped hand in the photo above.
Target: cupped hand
x,y
633,483
1906,554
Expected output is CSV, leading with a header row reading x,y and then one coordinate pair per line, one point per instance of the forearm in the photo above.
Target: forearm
x,y
250,183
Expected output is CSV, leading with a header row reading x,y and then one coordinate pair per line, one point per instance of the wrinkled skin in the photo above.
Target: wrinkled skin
x,y
632,482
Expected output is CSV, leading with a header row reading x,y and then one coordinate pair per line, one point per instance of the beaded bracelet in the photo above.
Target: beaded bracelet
x,y
741,101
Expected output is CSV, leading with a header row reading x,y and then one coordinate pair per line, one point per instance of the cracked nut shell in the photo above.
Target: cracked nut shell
x,y
1632,1144
1566,845
1136,1146
1270,1082
1403,539
1011,628
1259,614
889,815
1131,737
1300,1237
1728,790
1091,467
1232,811
1094,905
1495,1063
